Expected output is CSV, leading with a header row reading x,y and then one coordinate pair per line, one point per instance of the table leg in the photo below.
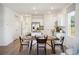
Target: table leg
x,y
30,46
37,48
53,49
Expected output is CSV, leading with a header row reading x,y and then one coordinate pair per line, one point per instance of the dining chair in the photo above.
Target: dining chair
x,y
59,42
23,42
41,41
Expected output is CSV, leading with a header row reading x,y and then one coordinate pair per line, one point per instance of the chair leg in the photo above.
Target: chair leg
x,y
21,47
45,49
28,44
37,48
62,48
54,49
30,47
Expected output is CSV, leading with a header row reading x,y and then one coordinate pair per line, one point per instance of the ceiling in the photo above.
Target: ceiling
x,y
36,8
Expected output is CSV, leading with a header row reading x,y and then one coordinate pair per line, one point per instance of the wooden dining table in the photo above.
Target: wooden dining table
x,y
32,38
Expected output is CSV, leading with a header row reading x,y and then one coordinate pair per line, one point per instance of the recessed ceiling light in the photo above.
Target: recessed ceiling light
x,y
34,8
51,8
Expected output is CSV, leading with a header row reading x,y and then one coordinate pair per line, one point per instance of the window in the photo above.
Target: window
x,y
71,24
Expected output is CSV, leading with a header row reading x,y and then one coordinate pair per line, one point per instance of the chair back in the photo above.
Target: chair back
x,y
59,41
44,40
62,40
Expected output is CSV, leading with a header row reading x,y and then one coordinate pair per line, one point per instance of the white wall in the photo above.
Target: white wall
x,y
1,24
38,18
9,26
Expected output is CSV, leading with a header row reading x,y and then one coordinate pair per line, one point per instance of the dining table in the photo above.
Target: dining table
x,y
32,38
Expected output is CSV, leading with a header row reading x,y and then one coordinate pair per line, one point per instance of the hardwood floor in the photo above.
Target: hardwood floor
x,y
13,49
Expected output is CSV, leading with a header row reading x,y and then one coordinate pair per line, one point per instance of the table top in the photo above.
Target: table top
x,y
33,38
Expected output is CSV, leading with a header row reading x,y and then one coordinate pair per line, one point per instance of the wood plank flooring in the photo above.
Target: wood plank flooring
x,y
13,49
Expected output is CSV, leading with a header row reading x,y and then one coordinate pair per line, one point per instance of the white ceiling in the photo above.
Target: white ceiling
x,y
41,8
